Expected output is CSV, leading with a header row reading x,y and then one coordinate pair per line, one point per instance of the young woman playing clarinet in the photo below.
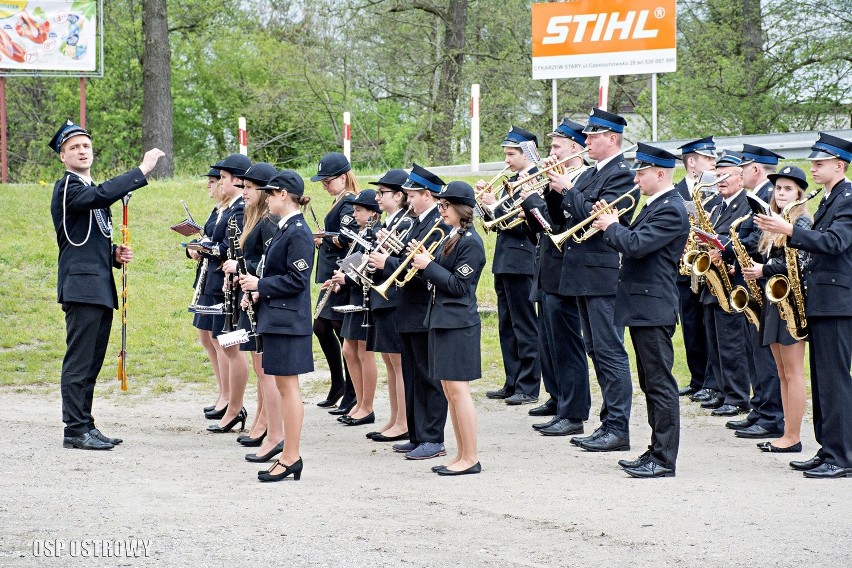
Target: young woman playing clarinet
x,y
453,320
335,173
789,352
284,313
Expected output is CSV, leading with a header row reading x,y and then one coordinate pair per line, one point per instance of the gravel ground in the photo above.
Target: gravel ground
x,y
191,498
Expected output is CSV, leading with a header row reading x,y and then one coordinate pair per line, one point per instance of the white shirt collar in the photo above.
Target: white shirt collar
x,y
657,195
605,161
286,218
234,200
734,196
422,216
390,218
86,179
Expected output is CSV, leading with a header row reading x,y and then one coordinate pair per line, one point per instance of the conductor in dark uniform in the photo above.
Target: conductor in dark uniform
x,y
590,273
85,285
647,300
513,266
828,306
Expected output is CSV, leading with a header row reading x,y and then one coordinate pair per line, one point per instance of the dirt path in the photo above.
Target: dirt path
x,y
539,501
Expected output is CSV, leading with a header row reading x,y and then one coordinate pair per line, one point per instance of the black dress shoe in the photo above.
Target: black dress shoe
x,y
807,465
756,431
341,410
550,422
266,457
827,471
216,414
649,469
97,434
371,434
563,427
638,462
738,424
250,442
770,447
475,468
546,409
330,400
609,442
499,394
240,417
86,442
687,390
701,395
344,419
383,438
727,410
369,419
578,440
715,401
210,408
295,469
519,398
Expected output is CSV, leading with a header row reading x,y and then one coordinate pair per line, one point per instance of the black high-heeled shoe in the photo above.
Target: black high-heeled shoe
x,y
216,414
295,468
250,442
240,417
330,400
254,458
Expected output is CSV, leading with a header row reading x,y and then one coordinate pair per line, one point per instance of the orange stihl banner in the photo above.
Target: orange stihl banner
x,y
587,38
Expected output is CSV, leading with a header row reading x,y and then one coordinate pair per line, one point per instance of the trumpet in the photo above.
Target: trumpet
x,y
410,271
557,167
583,230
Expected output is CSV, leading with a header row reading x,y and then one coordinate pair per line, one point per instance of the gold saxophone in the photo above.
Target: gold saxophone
x,y
742,300
701,221
779,286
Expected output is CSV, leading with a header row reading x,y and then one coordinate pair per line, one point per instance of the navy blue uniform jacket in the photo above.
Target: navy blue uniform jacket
x,y
340,215
85,272
454,279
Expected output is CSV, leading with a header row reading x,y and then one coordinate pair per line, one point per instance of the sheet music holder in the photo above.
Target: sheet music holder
x,y
758,206
708,238
188,226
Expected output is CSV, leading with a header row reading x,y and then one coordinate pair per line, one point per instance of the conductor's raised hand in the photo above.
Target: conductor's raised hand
x,y
150,159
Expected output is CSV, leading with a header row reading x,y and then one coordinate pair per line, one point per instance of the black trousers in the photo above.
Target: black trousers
x,y
726,338
518,333
425,403
548,372
87,328
605,345
564,350
654,361
694,337
831,387
766,408
330,340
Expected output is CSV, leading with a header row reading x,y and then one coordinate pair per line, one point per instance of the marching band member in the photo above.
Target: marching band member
x,y
647,300
828,306
698,156
453,320
236,364
335,173
726,332
284,312
513,265
426,405
788,352
560,329
383,336
590,273
360,362
85,285
259,226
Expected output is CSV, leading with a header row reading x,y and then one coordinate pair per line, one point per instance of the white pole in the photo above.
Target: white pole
x,y
347,136
242,136
603,92
654,107
474,127
555,104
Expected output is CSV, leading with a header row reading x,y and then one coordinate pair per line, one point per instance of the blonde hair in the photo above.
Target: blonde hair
x,y
778,239
351,183
253,213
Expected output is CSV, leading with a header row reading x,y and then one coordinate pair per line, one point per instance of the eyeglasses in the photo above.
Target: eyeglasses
x,y
384,191
443,205
327,181
239,185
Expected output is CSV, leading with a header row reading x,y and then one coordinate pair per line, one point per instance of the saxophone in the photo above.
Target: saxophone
x,y
742,300
716,277
701,221
779,287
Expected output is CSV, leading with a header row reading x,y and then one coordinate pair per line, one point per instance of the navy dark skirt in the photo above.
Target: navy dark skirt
x,y
209,322
244,323
383,336
352,329
337,299
773,329
285,355
454,354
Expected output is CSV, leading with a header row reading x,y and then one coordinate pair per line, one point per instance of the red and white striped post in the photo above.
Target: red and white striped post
x,y
474,127
347,135
243,136
603,92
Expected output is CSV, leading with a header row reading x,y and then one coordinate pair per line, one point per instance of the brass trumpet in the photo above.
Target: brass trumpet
x,y
411,272
583,230
558,167
490,186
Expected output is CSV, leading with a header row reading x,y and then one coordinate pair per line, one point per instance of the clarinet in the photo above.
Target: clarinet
x,y
365,286
230,289
252,317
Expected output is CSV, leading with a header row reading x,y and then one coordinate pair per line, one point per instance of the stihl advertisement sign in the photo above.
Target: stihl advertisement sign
x,y
587,38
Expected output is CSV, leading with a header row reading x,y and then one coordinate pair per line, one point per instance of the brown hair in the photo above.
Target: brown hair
x,y
465,213
254,212
351,185
778,239
300,200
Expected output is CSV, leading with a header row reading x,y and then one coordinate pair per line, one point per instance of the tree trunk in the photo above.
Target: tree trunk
x,y
156,86
444,105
